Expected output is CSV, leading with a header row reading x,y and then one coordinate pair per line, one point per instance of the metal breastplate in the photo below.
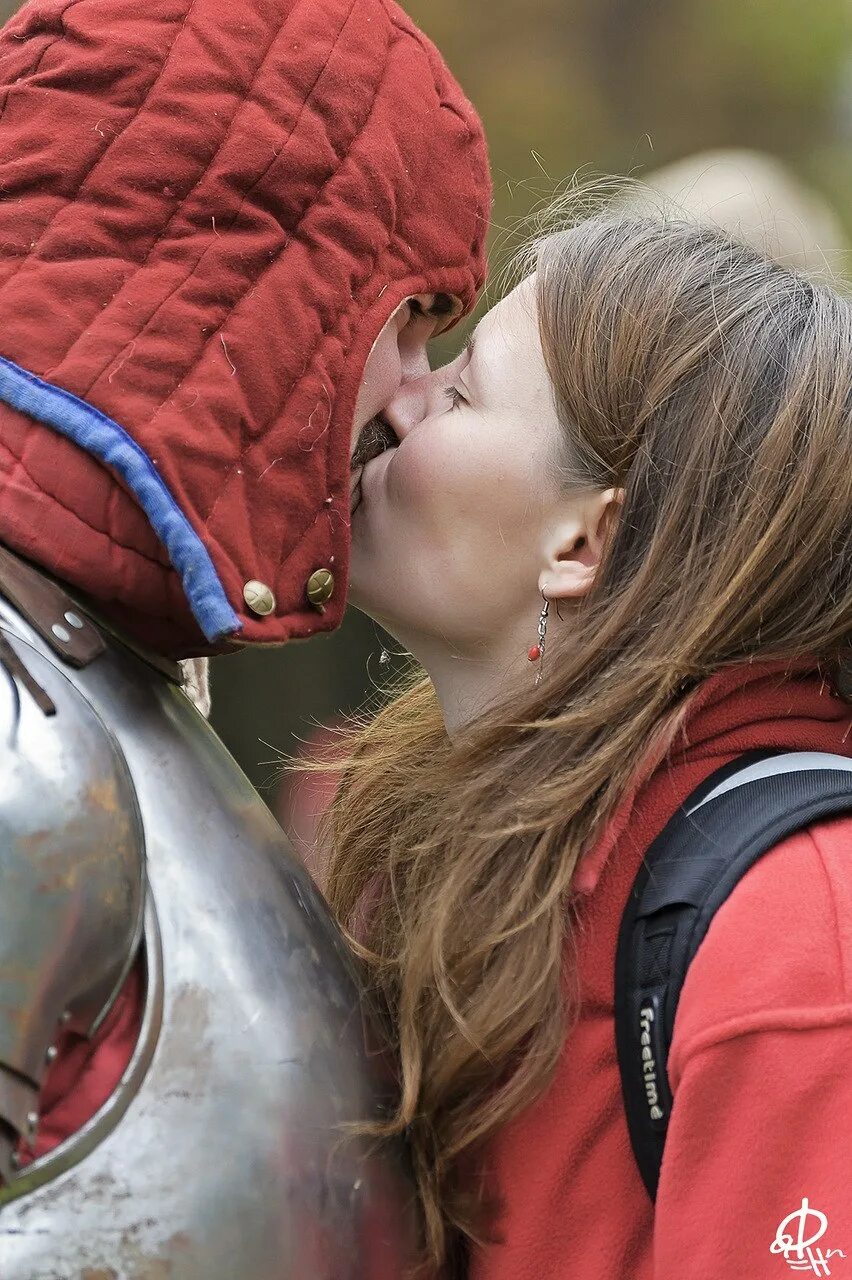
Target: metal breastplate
x,y
222,1154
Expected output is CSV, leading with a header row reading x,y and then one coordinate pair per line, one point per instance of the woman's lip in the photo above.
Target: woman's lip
x,y
376,468
368,472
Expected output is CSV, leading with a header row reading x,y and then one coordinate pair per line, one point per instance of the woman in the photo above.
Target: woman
x,y
616,534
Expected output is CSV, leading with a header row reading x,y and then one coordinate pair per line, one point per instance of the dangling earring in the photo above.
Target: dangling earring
x,y
536,653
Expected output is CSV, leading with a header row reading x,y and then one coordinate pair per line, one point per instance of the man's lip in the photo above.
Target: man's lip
x,y
375,437
355,490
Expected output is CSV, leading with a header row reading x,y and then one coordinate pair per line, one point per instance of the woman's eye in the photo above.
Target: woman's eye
x,y
455,395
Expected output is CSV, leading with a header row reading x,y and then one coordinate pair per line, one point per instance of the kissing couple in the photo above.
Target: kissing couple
x,y
614,533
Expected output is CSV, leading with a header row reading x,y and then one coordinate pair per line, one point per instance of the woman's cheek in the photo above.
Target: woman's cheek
x,y
422,487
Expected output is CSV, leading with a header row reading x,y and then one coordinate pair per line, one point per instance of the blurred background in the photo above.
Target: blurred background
x,y
652,88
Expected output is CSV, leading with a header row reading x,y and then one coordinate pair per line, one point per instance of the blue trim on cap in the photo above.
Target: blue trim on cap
x,y
106,440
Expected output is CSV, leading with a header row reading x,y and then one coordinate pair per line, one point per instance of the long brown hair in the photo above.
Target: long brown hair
x,y
715,387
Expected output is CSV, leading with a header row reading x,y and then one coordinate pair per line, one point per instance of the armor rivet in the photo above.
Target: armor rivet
x,y
320,588
50,1055
16,1160
32,1123
74,620
66,1016
259,598
61,633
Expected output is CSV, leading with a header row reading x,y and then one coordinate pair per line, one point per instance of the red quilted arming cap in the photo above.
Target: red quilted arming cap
x,y
209,211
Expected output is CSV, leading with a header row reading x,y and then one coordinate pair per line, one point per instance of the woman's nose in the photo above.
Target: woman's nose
x,y
409,406
419,399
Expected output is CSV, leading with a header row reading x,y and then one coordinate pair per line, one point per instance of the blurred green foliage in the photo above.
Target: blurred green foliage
x,y
618,85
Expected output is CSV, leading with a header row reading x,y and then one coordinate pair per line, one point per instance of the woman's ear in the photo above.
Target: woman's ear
x,y
575,545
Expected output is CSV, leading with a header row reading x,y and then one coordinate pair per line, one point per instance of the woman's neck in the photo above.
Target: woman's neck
x,y
469,682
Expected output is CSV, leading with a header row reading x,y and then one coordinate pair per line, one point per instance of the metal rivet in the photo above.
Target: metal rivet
x,y
51,1053
320,588
32,1123
61,633
74,620
16,1160
66,1016
259,598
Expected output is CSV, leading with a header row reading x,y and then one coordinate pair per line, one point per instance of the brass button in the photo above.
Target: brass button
x,y
259,597
320,588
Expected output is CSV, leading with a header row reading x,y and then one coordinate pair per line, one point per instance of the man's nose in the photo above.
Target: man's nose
x,y
414,361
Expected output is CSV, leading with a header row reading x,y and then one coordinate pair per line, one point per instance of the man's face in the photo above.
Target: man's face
x,y
399,355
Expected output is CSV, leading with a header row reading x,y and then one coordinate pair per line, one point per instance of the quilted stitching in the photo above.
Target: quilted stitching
x,y
274,177
105,439
204,248
17,471
88,173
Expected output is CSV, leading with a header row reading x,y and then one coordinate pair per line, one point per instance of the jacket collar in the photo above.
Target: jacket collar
x,y
761,705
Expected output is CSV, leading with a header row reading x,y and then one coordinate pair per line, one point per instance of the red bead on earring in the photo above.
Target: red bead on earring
x,y
536,653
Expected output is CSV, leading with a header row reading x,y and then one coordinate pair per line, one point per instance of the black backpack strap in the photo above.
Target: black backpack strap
x,y
721,830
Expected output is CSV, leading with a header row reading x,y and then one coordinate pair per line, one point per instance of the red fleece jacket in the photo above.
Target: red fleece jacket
x,y
759,1063
760,1058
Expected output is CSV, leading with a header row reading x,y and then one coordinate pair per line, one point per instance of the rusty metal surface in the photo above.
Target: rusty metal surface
x,y
224,1156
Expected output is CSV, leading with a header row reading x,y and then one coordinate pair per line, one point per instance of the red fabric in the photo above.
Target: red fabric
x,y
303,799
85,1072
209,212
761,1051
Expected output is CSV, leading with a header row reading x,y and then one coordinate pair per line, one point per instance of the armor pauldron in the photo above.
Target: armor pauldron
x,y
72,871
225,1149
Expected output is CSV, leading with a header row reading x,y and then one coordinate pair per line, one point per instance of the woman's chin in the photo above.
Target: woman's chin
x,y
370,608
366,583
361,577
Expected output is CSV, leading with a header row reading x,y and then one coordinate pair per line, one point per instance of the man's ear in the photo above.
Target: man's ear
x,y
575,544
